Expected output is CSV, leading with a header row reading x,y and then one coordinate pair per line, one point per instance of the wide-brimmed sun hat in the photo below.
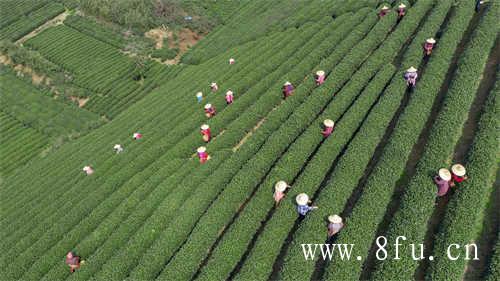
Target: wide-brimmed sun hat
x,y
458,170
213,84
385,8
444,174
204,127
229,93
208,105
287,83
281,186
412,69
402,5
201,149
335,219
430,40
302,199
328,123
199,94
320,73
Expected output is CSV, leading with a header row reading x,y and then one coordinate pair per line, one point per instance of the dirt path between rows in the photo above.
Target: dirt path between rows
x,y
53,22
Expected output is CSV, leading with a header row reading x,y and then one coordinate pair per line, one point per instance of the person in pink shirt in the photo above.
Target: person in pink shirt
x,y
320,77
401,11
137,136
229,97
329,127
279,191
334,225
231,61
442,180
384,11
202,154
88,170
205,132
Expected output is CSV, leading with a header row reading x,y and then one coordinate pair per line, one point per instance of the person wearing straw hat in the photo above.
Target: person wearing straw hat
x,y
214,87
329,127
458,174
229,97
202,154
334,225
73,261
205,132
88,170
383,11
231,61
411,76
319,77
118,148
287,89
428,46
401,11
279,191
303,204
209,110
137,136
442,180
199,96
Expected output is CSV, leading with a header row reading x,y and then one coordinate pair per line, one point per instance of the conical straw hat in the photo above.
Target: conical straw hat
x,y
208,105
320,73
199,94
281,186
213,84
458,170
302,199
201,149
444,174
385,8
204,127
412,69
430,40
328,123
287,83
402,5
335,219
229,93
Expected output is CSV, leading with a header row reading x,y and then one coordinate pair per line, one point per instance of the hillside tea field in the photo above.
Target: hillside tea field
x,y
282,140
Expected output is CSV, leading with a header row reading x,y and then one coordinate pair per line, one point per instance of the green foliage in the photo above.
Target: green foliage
x,y
38,110
421,191
25,24
165,53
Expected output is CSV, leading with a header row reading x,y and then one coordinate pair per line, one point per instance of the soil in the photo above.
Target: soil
x,y
81,101
53,22
158,35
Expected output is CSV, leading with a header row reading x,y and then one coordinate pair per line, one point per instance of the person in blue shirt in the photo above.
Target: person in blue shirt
x,y
302,204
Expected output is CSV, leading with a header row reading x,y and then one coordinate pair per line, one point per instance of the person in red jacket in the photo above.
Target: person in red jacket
x,y
458,174
384,11
205,132
329,126
287,89
209,110
73,261
428,46
202,154
401,11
